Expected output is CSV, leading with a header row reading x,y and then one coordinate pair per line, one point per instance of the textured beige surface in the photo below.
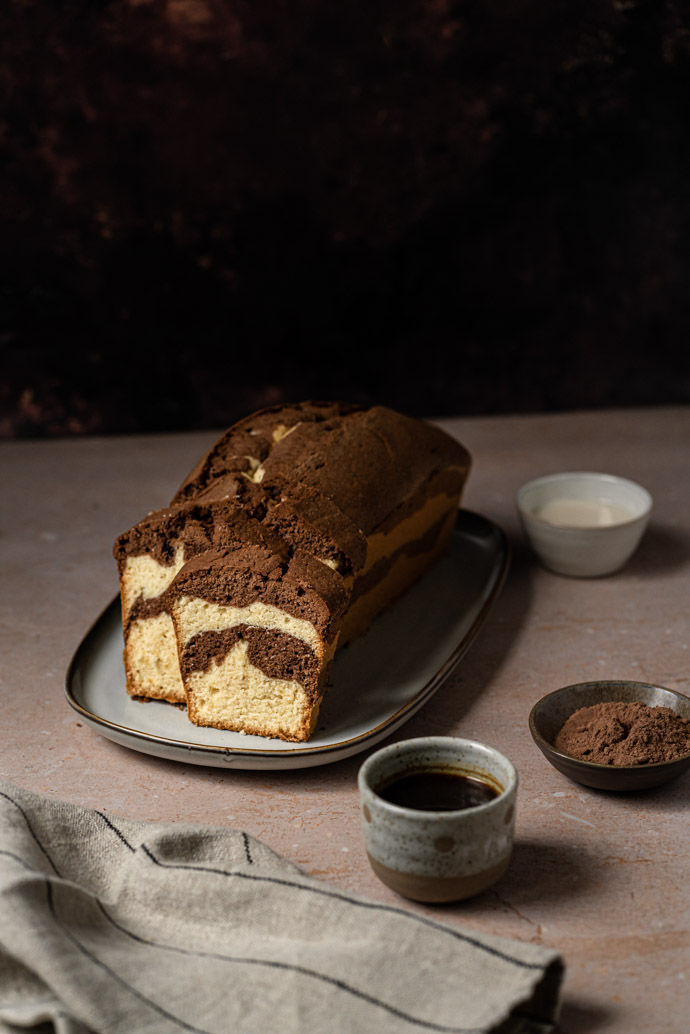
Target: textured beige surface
x,y
602,878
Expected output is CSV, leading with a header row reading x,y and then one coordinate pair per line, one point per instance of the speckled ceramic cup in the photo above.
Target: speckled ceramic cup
x,y
438,856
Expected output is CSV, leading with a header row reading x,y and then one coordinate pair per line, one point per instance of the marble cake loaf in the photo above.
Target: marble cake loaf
x,y
299,526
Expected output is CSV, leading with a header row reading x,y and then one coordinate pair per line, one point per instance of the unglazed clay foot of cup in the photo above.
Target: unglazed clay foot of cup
x,y
422,839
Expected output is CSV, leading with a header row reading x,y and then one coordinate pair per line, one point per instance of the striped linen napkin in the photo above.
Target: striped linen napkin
x,y
121,927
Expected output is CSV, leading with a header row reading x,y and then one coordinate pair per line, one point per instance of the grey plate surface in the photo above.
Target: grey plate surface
x,y
377,682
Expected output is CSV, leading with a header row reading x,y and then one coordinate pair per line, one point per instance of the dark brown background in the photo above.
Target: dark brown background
x,y
212,205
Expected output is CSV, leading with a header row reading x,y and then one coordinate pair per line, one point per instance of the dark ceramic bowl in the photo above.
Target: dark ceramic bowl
x,y
549,714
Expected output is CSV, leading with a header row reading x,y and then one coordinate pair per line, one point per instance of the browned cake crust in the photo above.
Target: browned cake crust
x,y
196,528
367,462
250,440
308,520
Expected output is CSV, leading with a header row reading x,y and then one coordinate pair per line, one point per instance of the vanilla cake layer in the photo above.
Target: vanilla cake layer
x,y
199,616
144,578
151,662
150,654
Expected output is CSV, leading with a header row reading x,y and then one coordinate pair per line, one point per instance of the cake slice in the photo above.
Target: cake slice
x,y
256,634
149,556
229,513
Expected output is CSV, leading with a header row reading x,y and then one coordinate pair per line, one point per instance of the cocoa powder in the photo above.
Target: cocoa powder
x,y
620,733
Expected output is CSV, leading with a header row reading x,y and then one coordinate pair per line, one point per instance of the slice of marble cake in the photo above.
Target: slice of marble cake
x,y
149,556
256,634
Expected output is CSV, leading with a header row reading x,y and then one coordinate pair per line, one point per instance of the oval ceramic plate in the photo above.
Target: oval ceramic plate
x,y
377,682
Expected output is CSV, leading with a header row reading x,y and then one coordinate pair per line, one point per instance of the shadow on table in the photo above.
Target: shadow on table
x,y
663,548
544,871
541,872
488,654
665,800
580,1017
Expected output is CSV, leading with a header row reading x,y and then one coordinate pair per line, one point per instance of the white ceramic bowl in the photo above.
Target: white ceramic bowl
x,y
583,524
